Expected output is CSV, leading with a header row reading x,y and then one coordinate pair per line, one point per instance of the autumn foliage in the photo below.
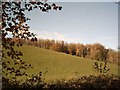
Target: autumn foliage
x,y
94,51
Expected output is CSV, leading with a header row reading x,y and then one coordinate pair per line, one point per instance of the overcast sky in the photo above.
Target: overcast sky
x,y
78,22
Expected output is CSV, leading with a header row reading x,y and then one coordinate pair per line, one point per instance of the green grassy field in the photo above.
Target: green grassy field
x,y
59,65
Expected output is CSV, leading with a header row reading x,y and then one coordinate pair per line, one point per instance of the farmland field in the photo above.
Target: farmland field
x,y
55,65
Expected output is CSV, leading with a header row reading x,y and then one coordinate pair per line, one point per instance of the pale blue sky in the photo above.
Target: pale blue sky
x,y
83,0
78,22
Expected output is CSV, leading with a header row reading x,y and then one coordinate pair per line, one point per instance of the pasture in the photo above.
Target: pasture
x,y
59,66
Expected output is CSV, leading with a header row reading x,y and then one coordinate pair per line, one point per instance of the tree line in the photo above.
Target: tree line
x,y
94,51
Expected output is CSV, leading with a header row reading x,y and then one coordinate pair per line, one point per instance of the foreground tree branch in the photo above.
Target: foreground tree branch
x,y
14,26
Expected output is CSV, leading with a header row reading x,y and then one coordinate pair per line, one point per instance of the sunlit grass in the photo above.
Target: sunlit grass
x,y
55,65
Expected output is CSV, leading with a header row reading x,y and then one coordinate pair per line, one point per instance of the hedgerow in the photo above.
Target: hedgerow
x,y
85,82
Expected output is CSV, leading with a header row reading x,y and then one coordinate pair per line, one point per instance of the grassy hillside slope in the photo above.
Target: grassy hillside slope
x,y
55,65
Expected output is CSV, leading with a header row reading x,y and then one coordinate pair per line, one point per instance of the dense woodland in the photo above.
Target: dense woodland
x,y
94,51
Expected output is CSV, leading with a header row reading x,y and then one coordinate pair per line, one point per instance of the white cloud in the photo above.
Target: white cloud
x,y
55,36
106,41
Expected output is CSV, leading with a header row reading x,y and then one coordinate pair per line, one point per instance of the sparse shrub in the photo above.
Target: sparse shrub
x,y
99,67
